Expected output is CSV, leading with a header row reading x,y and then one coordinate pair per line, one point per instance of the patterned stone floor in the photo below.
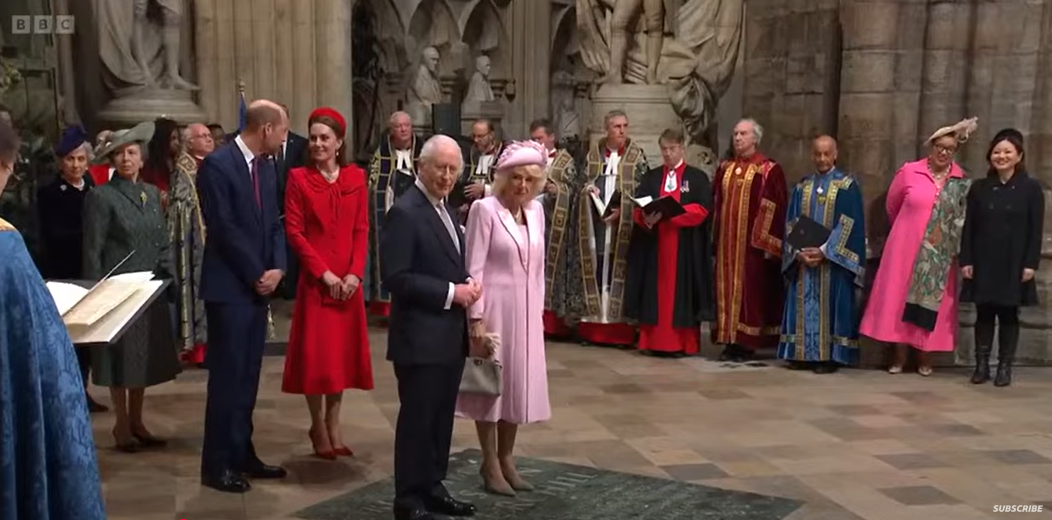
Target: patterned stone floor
x,y
852,445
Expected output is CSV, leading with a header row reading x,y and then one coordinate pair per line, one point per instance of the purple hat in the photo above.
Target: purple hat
x,y
522,153
71,139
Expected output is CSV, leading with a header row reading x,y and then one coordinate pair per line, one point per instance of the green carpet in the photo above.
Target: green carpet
x,y
568,492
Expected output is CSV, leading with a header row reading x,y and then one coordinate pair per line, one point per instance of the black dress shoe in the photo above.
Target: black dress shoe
x,y
403,513
265,471
826,368
227,482
449,506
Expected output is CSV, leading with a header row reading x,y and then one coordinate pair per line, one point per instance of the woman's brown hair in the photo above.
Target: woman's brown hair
x,y
341,154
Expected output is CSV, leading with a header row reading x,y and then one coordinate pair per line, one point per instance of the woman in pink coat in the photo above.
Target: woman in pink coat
x,y
505,254
914,298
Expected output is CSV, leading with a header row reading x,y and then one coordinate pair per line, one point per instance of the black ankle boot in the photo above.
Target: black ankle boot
x,y
1007,341
984,338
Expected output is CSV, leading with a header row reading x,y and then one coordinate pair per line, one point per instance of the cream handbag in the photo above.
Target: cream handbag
x,y
483,376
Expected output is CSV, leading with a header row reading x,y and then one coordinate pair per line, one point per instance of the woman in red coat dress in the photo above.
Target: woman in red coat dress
x,y
327,223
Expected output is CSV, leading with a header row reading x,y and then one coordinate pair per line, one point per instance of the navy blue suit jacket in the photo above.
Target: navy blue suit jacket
x,y
244,239
420,261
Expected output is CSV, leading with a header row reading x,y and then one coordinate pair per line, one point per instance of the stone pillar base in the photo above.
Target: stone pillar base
x,y
147,104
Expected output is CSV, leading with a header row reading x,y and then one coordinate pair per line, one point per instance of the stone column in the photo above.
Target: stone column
x,y
529,24
296,52
791,76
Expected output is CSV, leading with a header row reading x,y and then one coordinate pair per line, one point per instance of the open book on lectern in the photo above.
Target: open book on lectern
x,y
100,313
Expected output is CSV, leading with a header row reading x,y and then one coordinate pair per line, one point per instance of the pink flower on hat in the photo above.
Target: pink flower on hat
x,y
522,153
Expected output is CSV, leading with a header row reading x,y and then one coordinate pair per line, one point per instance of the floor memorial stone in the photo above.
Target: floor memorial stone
x,y
568,492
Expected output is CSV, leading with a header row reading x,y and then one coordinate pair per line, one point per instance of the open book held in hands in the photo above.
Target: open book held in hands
x,y
667,206
605,209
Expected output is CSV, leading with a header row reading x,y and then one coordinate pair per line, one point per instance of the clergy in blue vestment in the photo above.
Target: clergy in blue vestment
x,y
820,320
48,469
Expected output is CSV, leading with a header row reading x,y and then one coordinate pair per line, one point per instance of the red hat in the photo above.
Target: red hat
x,y
330,113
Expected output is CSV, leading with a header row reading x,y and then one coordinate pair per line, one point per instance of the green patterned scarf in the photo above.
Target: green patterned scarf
x,y
942,239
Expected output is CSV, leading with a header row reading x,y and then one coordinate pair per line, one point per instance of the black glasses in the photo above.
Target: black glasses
x,y
943,149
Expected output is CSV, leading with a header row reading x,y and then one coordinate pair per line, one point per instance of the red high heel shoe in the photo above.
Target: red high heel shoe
x,y
326,455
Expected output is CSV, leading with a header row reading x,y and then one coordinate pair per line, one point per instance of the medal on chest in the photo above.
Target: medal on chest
x,y
686,187
821,194
142,197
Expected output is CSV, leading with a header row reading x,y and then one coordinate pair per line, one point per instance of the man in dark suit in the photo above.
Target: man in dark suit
x,y
244,260
292,154
424,270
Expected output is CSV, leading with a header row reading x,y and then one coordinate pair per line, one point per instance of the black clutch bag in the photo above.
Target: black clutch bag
x,y
807,232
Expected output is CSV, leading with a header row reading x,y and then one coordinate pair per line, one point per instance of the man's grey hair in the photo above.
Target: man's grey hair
x,y
612,114
436,143
757,129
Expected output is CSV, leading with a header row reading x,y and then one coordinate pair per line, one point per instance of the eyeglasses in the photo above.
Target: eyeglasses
x,y
945,150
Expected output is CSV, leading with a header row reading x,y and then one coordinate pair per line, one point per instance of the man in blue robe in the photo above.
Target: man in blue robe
x,y
48,469
820,321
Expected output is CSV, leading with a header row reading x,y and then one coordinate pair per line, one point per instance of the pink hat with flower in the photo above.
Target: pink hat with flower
x,y
522,153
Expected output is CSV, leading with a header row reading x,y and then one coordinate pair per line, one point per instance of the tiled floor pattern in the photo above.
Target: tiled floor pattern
x,y
852,445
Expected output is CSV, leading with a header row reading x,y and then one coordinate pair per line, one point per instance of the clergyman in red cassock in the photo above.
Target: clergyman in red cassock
x,y
749,201
669,287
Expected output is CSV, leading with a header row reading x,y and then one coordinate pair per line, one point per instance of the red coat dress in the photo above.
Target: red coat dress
x,y
327,225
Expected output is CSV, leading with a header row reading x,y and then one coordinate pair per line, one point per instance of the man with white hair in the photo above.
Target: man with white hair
x,y
749,203
187,227
392,172
425,271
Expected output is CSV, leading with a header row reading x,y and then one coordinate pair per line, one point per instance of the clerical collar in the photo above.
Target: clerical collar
x,y
677,168
620,151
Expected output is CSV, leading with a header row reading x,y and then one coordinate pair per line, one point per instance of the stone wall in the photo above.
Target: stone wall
x,y
900,70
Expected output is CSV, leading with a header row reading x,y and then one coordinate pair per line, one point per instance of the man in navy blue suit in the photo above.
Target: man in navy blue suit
x,y
244,260
425,272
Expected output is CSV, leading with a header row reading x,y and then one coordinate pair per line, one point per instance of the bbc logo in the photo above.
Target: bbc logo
x,y
42,24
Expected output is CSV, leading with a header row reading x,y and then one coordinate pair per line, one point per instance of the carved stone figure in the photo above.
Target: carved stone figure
x,y
567,120
425,89
697,54
479,89
139,43
624,13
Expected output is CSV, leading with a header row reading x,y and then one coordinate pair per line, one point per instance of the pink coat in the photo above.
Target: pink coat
x,y
910,200
508,260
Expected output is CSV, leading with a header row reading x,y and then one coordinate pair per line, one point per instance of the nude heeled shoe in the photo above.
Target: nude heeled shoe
x,y
502,488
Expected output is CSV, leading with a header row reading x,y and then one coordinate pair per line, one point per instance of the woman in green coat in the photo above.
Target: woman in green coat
x,y
121,217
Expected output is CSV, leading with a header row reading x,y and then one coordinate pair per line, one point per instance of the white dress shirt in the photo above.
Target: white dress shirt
x,y
443,215
249,156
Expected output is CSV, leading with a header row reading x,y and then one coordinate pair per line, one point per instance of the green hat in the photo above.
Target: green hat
x,y
141,133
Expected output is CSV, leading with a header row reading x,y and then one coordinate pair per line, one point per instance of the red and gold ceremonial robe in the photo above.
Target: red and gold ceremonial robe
x,y
749,201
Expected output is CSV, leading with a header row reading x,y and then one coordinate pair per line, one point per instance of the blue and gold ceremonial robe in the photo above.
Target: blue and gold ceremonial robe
x,y
820,320
48,469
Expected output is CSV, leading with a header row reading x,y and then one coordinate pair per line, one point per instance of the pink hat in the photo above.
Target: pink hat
x,y
522,153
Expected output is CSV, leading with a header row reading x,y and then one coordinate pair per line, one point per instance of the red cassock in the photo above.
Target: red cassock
x,y
664,336
750,197
327,225
100,173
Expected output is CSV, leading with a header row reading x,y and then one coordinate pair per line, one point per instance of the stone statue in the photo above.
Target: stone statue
x,y
567,120
139,43
697,55
479,89
425,89
624,13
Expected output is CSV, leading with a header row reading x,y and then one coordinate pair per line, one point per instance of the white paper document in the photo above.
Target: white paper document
x,y
97,314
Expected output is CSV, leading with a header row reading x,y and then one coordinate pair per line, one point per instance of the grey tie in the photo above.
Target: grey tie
x,y
449,224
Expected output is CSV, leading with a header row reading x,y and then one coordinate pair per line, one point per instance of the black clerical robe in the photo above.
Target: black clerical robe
x,y
669,285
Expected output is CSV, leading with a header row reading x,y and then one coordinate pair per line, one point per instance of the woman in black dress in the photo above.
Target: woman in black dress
x,y
1000,252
